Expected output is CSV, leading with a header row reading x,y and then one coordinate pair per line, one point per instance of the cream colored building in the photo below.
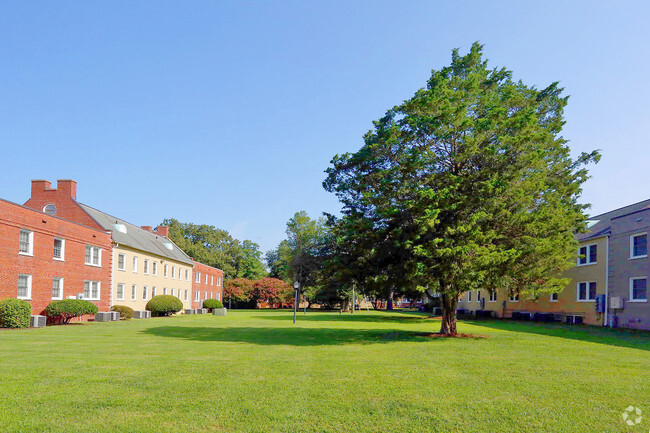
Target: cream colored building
x,y
145,263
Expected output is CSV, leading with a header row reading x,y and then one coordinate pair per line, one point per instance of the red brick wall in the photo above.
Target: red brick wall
x,y
214,275
42,266
63,197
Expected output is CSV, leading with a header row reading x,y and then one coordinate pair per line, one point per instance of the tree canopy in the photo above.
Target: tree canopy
x,y
467,185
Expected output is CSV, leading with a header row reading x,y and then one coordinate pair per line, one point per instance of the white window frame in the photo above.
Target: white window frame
x,y
30,242
212,280
469,296
514,297
62,258
145,292
632,237
153,291
632,279
550,297
134,292
145,269
93,249
478,296
165,270
120,286
197,295
197,278
57,298
28,288
173,272
121,262
154,268
135,264
164,290
173,291
206,278
494,295
186,294
218,281
90,288
187,275
588,283
219,296
587,255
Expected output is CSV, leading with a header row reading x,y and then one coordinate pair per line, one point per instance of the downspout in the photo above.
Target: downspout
x,y
110,299
606,320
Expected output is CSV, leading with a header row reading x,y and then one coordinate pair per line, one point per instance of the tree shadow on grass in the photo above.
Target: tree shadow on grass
x,y
613,337
333,316
290,336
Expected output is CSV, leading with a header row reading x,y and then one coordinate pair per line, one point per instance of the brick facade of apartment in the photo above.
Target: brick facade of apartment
x,y
207,283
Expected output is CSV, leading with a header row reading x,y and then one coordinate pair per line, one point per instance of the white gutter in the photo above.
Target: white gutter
x,y
606,321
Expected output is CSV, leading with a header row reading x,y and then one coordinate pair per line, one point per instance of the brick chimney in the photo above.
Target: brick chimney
x,y
67,186
163,231
40,186
147,228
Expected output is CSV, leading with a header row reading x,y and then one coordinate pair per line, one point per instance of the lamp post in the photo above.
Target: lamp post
x,y
296,286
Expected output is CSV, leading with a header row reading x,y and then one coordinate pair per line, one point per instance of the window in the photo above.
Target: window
x,y
91,290
186,294
121,262
120,292
134,292
639,245
59,249
588,255
205,295
172,292
553,297
173,272
153,291
24,287
587,291
218,281
196,295
493,296
514,297
164,290
57,288
135,265
26,242
469,296
165,271
206,278
212,280
187,275
155,268
145,289
638,289
198,277
478,296
146,266
93,256
219,297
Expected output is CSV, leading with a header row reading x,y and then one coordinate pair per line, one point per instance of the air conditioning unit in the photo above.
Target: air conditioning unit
x,y
142,314
616,303
80,295
104,316
115,315
190,311
573,319
36,321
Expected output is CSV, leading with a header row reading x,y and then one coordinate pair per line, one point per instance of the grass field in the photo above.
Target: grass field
x,y
253,371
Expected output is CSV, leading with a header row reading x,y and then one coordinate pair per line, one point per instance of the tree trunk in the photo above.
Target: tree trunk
x,y
449,306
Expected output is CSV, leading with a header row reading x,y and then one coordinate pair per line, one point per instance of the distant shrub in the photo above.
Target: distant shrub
x,y
61,312
211,304
164,305
126,313
14,313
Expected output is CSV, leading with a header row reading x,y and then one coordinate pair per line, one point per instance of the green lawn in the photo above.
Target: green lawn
x,y
371,372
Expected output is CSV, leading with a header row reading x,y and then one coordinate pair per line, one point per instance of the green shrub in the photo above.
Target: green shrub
x,y
126,313
164,305
14,313
211,304
61,312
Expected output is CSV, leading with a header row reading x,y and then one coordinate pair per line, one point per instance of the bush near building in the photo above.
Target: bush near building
x,y
126,313
61,312
211,304
14,313
164,305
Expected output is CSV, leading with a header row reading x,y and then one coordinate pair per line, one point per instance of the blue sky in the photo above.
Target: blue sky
x,y
227,113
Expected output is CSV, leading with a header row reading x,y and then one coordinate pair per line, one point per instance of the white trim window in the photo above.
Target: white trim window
x,y
218,281
638,289
212,280
586,291
120,292
198,277
205,295
153,291
121,262
493,296
145,289
172,292
638,245
206,278
92,290
146,267
514,297
186,294
553,297
219,297
173,272
135,264
469,296
58,252
26,243
165,271
197,295
478,296
93,256
164,290
57,288
155,268
24,287
134,292
588,255
187,275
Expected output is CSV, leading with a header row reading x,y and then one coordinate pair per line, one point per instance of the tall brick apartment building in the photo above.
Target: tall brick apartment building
x,y
206,284
44,257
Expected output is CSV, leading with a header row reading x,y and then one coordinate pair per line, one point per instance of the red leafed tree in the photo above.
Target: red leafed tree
x,y
271,290
238,289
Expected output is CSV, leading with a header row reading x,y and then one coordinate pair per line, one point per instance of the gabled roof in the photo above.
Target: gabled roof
x,y
600,224
125,233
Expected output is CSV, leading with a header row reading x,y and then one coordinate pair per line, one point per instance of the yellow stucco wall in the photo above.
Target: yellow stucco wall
x,y
140,279
567,302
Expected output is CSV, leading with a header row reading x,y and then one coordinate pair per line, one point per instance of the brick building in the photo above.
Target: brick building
x,y
45,257
206,284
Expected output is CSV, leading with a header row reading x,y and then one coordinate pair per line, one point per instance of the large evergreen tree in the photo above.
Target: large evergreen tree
x,y
467,185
